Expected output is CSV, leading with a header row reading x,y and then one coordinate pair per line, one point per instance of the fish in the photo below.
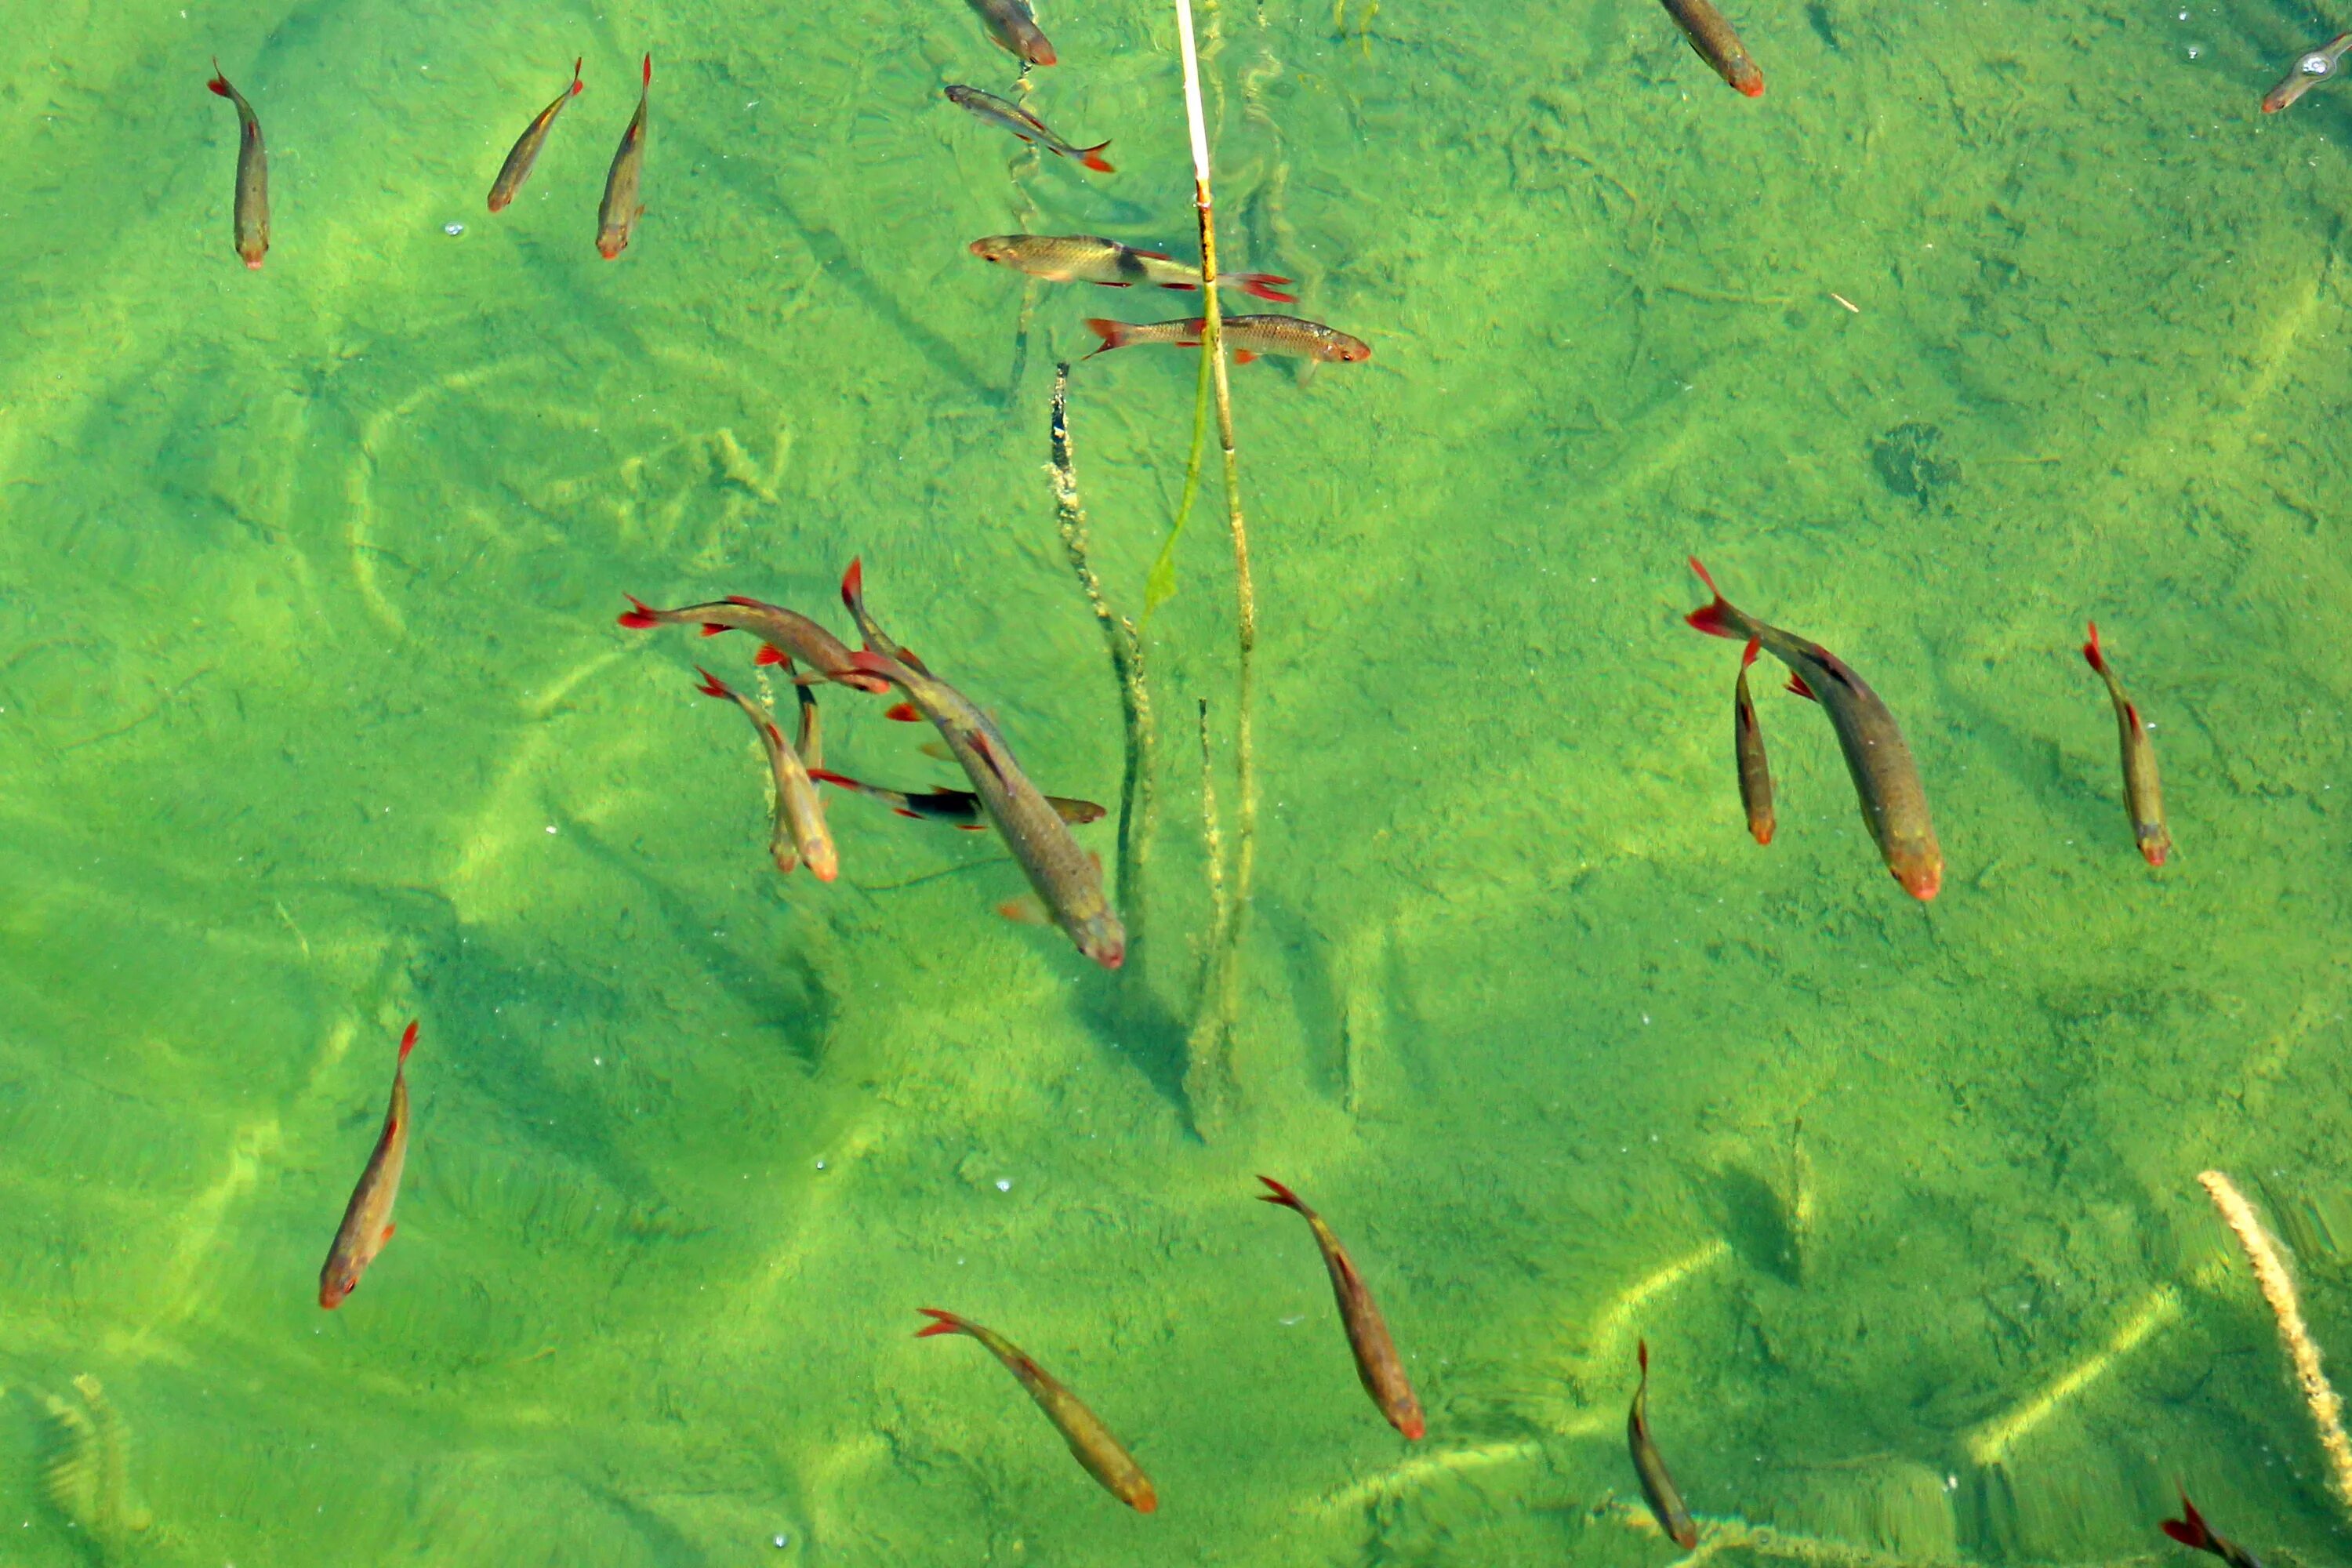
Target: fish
x,y
1716,43
1247,336
1894,801
1090,1441
955,807
1378,1365
1657,1486
1748,746
800,832
252,177
616,218
2190,1530
1067,878
2143,792
516,168
785,635
367,1220
1088,259
1014,29
2320,65
995,110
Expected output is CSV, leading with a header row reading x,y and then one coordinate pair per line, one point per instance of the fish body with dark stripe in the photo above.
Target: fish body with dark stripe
x,y
2191,1531
367,1218
1006,116
1894,801
617,216
1718,43
1093,1445
1012,26
252,216
1067,878
1377,1367
516,168
800,833
2143,791
1089,258
784,635
1247,337
1658,1489
950,807
1747,751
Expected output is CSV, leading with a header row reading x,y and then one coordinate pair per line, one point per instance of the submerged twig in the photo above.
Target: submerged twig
x,y
1204,1060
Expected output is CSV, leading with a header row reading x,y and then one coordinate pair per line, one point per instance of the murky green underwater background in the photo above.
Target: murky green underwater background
x,y
313,717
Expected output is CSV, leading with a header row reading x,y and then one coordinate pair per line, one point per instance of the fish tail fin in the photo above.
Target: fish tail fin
x,y
1093,159
1797,688
2190,1528
649,69
711,685
853,585
1755,644
1261,286
408,1040
1281,1195
577,86
219,83
1112,333
1716,619
941,1323
2091,654
641,614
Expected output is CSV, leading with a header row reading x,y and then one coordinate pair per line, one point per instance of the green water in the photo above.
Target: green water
x,y
313,718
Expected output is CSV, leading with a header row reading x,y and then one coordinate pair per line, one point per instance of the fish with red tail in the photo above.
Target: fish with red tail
x,y
1894,801
2322,64
785,635
1378,1365
367,1220
800,833
2143,792
1657,1486
516,168
1012,26
1718,44
988,107
252,177
952,807
2190,1530
1104,1457
1089,258
1748,746
1067,879
618,215
1290,337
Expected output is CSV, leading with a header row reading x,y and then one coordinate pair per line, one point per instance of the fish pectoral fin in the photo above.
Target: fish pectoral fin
x,y
387,1234
1025,910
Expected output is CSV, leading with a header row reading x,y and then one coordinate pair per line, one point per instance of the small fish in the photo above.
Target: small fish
x,y
616,219
1747,745
1716,44
1247,336
1084,259
1657,1486
1894,802
785,635
1067,878
1014,28
955,807
1089,1439
800,832
252,177
1378,1364
2143,793
2322,64
516,168
2190,1530
367,1220
987,106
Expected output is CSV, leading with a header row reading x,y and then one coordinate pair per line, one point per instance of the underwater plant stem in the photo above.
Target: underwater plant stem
x,y
1204,1058
1135,802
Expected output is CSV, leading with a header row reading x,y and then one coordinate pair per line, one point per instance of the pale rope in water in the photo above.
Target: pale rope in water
x,y
2278,1290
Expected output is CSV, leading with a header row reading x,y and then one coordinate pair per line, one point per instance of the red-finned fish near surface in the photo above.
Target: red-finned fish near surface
x,y
1378,1365
1748,747
1089,258
784,635
1090,1441
800,832
252,177
367,1220
1066,879
1716,43
516,168
616,218
1291,337
1658,1486
1011,117
2320,65
2143,792
1013,27
954,807
2190,1530
1894,802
